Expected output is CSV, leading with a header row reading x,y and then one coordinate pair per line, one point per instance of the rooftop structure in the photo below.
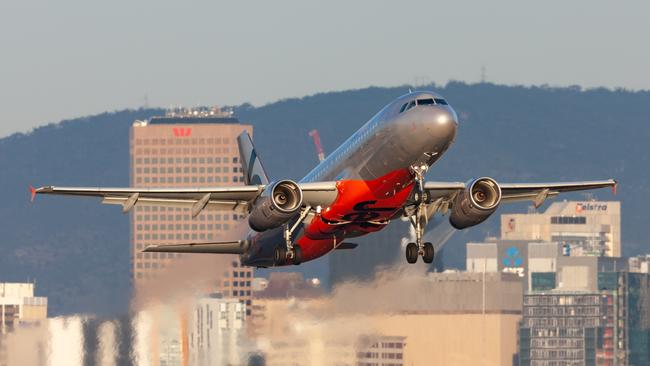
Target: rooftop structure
x,y
640,264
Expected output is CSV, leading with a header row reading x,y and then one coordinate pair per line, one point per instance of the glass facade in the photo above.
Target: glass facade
x,y
608,327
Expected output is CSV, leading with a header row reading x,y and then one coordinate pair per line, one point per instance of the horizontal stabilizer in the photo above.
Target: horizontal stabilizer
x,y
346,245
223,247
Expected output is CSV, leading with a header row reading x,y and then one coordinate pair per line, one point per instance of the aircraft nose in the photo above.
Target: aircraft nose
x,y
443,124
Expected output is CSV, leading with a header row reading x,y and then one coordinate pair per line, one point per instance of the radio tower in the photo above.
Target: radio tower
x,y
319,148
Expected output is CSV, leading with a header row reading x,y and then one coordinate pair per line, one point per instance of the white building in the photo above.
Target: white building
x,y
18,304
216,330
639,263
583,227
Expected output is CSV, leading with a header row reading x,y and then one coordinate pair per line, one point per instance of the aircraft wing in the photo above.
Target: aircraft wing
x,y
443,192
222,247
236,198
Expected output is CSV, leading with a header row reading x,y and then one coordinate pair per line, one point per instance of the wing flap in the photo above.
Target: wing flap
x,y
238,206
223,247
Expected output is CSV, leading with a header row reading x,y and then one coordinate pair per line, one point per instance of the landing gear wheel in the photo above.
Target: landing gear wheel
x,y
280,255
297,255
429,253
412,253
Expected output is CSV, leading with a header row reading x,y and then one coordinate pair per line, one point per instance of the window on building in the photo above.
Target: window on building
x,y
568,220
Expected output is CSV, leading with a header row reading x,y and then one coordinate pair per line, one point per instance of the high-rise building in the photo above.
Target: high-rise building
x,y
609,325
186,148
581,227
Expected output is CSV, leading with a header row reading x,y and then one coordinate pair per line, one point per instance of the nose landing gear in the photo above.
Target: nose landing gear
x,y
419,220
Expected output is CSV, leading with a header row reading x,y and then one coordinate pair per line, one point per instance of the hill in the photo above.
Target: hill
x,y
78,250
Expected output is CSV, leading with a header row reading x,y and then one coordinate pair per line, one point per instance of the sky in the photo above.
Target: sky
x,y
69,58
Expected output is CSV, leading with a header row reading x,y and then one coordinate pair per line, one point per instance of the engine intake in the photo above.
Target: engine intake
x,y
476,203
278,204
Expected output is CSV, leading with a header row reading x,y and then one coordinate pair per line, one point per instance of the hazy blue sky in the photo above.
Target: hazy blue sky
x,y
68,58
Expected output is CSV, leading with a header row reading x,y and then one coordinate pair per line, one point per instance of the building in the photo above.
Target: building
x,y
451,318
375,350
290,284
19,309
583,325
541,265
216,331
185,148
584,227
380,351
639,264
498,256
18,305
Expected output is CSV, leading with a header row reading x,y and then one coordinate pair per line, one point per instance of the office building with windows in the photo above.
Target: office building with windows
x,y
581,227
607,325
185,148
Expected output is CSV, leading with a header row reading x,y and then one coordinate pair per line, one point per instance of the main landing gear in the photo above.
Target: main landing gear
x,y
419,221
290,252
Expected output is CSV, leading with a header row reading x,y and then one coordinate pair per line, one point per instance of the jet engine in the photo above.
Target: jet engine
x,y
280,202
476,203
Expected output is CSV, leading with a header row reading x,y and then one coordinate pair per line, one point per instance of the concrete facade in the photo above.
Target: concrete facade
x,y
586,227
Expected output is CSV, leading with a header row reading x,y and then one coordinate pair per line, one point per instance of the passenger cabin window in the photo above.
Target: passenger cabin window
x,y
428,101
440,101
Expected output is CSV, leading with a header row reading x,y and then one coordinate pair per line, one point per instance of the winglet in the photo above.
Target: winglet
x,y
32,192
614,187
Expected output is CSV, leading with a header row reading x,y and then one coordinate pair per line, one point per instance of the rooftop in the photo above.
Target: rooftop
x,y
195,115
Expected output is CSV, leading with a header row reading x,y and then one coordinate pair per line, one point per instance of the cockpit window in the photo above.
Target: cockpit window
x,y
403,107
441,101
428,101
411,105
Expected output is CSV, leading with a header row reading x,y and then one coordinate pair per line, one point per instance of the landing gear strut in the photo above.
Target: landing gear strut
x,y
290,251
419,220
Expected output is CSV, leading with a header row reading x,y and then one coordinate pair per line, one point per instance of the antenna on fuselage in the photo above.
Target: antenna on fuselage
x,y
410,91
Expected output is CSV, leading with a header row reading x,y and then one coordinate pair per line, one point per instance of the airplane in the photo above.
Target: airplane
x,y
377,175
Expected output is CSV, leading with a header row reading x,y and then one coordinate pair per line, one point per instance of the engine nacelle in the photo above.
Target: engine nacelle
x,y
476,203
280,202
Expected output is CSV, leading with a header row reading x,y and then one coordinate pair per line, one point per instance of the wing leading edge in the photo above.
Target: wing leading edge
x,y
514,192
236,198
